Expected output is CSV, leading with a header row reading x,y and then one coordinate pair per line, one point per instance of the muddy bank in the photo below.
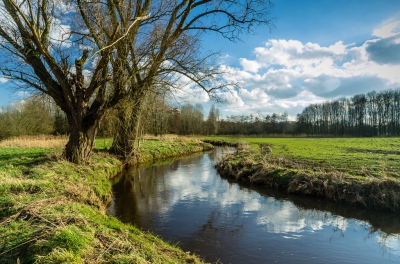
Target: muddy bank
x,y
221,143
286,175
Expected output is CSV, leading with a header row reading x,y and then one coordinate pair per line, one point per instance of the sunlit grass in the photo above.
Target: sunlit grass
x,y
369,157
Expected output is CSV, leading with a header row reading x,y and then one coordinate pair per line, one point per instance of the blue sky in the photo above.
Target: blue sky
x,y
317,51
317,21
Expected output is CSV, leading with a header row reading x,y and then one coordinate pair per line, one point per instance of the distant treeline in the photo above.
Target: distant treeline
x,y
256,125
373,114
189,119
39,115
32,116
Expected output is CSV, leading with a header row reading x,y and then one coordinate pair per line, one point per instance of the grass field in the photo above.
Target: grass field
x,y
365,157
359,171
52,211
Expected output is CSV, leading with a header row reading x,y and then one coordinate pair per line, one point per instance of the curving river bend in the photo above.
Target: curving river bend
x,y
188,203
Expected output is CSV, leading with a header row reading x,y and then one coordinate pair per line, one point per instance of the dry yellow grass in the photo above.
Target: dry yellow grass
x,y
172,137
39,141
50,141
166,137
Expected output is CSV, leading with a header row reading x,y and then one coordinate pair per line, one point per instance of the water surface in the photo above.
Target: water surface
x,y
187,203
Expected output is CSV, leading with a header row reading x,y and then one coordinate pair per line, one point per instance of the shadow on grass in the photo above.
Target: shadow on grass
x,y
23,157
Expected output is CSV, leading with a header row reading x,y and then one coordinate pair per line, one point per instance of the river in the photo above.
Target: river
x,y
187,203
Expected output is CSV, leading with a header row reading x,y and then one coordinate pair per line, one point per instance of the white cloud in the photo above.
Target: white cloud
x,y
188,92
60,34
287,75
232,98
3,80
338,48
387,30
309,58
256,95
22,94
64,7
303,99
249,65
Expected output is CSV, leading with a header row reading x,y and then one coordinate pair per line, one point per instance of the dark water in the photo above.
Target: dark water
x,y
188,203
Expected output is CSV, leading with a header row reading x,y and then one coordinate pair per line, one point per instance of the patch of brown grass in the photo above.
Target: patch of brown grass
x,y
186,140
39,141
172,137
242,146
166,137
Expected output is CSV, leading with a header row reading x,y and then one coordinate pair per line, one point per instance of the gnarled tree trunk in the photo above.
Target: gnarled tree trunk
x,y
80,143
126,131
83,131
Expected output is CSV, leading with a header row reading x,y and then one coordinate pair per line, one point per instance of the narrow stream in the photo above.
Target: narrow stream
x,y
187,203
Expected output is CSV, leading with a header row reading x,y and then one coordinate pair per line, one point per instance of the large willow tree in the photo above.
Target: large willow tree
x,y
47,46
169,47
90,56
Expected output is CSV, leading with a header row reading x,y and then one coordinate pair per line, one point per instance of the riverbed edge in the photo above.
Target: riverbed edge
x,y
248,166
52,211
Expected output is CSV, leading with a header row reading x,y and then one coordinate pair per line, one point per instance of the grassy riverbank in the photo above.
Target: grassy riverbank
x,y
52,211
359,171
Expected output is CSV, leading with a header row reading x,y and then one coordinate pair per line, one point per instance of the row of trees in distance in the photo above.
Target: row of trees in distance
x,y
39,115
371,114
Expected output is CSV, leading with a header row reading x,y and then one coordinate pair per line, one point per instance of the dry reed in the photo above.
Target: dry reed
x,y
38,141
171,137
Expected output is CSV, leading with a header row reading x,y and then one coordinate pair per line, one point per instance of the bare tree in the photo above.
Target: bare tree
x,y
192,119
51,47
167,48
212,121
90,56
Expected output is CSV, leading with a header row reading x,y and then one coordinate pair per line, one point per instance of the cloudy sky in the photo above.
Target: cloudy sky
x,y
317,51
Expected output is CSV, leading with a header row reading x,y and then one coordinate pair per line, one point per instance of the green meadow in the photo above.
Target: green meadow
x,y
358,171
365,157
